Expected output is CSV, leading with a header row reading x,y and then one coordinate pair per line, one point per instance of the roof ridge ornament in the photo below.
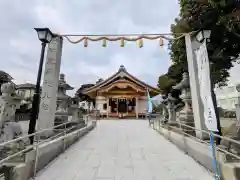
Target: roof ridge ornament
x,y
122,68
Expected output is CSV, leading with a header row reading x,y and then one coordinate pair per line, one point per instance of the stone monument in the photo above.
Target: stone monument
x,y
47,108
186,114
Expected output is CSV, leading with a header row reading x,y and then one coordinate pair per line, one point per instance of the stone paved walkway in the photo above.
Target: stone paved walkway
x,y
123,150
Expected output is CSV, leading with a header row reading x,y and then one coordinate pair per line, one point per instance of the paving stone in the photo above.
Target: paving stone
x,y
124,150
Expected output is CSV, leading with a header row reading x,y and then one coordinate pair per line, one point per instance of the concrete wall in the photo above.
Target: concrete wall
x,y
201,152
47,152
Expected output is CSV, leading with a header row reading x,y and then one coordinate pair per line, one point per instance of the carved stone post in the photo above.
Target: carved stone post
x,y
171,110
186,114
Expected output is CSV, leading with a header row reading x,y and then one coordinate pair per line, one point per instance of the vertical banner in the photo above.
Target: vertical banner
x,y
205,87
150,104
50,84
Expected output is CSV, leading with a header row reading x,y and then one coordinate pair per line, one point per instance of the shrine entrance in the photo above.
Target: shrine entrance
x,y
122,106
197,57
192,42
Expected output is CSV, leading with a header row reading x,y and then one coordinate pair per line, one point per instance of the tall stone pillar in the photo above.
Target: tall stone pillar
x,y
50,86
198,110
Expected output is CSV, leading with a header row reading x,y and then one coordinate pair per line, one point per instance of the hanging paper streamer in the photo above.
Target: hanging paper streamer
x,y
140,43
104,43
127,37
161,43
122,42
85,42
217,173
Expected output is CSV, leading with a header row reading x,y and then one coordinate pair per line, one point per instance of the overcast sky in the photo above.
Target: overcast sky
x,y
20,47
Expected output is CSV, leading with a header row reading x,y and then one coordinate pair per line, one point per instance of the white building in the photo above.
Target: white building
x,y
227,97
26,91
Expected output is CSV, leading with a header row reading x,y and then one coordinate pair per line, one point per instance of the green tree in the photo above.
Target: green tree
x,y
222,18
84,97
165,84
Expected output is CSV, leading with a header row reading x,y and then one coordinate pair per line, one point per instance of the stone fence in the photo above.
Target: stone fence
x,y
228,160
46,151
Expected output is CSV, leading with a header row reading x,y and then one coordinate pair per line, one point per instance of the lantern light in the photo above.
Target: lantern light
x,y
161,43
44,34
104,43
122,42
140,43
85,42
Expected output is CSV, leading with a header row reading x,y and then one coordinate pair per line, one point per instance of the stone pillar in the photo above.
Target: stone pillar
x,y
50,86
171,110
136,108
198,110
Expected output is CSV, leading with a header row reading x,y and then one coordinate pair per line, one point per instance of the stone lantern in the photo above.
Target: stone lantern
x,y
63,101
186,114
75,113
171,109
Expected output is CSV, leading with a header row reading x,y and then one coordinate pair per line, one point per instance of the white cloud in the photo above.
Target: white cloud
x,y
20,48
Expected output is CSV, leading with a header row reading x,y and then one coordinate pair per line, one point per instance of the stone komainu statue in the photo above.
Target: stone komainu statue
x,y
9,129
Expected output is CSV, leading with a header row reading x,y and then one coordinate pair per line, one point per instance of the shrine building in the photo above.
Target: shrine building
x,y
121,95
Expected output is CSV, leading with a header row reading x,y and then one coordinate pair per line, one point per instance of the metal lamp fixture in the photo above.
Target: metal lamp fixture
x,y
203,34
44,34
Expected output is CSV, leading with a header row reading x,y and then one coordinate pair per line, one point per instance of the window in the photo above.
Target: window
x,y
105,106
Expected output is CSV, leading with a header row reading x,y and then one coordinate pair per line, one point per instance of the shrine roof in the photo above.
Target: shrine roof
x,y
5,76
26,86
122,72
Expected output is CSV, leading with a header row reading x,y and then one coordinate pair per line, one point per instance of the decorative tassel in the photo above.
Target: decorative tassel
x,y
122,42
104,43
85,42
161,43
140,43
